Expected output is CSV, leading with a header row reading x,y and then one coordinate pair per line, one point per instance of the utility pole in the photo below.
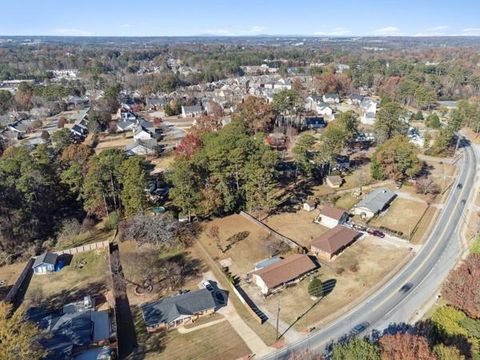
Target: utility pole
x,y
278,318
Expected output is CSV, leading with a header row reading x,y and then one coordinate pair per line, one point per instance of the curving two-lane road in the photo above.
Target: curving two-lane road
x,y
416,283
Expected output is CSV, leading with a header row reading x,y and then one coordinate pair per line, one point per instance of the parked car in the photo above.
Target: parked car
x,y
207,285
376,233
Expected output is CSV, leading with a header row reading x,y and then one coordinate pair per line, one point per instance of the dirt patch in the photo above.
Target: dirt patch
x,y
420,235
398,219
354,273
298,226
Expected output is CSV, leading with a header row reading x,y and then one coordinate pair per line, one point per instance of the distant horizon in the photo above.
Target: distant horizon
x,y
246,36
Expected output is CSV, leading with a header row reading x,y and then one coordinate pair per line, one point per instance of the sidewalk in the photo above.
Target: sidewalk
x,y
184,330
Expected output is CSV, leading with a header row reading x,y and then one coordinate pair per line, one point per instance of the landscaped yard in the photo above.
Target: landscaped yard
x,y
360,269
200,344
402,216
298,226
72,282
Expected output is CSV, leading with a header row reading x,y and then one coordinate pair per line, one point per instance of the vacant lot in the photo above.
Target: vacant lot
x,y
346,202
298,226
244,254
72,282
402,216
163,162
361,268
200,344
114,142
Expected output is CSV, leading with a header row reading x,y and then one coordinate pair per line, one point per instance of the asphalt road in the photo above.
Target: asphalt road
x,y
415,284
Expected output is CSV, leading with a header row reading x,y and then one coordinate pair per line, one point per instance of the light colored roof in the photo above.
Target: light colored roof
x,y
335,179
335,239
45,258
377,200
286,270
332,212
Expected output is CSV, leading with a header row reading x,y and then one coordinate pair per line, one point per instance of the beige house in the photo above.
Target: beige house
x,y
334,181
287,271
331,216
331,244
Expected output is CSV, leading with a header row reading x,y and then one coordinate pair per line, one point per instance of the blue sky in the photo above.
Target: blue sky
x,y
234,17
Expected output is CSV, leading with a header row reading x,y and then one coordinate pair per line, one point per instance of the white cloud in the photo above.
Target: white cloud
x,y
72,32
338,31
219,32
387,31
471,31
256,29
433,31
127,26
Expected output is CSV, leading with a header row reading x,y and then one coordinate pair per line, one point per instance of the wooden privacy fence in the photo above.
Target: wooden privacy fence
x,y
13,297
84,248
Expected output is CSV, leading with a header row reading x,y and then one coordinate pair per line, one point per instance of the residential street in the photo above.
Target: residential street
x,y
397,302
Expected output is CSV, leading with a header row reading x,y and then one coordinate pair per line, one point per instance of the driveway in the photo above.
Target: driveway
x,y
253,341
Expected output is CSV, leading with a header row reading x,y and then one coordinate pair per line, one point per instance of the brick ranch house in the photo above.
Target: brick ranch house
x,y
171,312
282,273
331,244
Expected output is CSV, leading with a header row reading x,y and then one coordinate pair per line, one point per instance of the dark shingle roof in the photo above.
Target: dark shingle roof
x,y
45,258
171,308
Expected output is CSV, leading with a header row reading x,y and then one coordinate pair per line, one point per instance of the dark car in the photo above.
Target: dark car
x,y
459,186
376,233
405,288
357,329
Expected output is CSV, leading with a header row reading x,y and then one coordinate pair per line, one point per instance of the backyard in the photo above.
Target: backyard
x,y
87,274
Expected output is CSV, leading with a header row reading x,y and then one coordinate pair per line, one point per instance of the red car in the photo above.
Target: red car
x,y
376,233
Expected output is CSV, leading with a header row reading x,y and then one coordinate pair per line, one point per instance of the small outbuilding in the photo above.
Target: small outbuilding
x,y
334,181
45,263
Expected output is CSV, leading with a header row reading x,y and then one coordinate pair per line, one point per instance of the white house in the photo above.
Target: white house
x,y
191,111
369,111
331,217
140,133
45,263
375,202
331,98
316,104
142,147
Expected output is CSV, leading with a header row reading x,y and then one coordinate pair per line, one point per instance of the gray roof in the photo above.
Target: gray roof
x,y
125,124
45,258
192,109
267,262
377,200
169,309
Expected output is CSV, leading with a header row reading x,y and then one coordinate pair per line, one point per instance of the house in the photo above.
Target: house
x,y
290,270
170,312
355,99
331,216
331,98
142,147
334,181
316,104
155,103
45,263
330,244
140,133
78,329
125,125
79,130
375,202
314,122
309,206
191,111
369,111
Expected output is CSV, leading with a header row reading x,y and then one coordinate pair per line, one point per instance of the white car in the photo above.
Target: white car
x,y
207,285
